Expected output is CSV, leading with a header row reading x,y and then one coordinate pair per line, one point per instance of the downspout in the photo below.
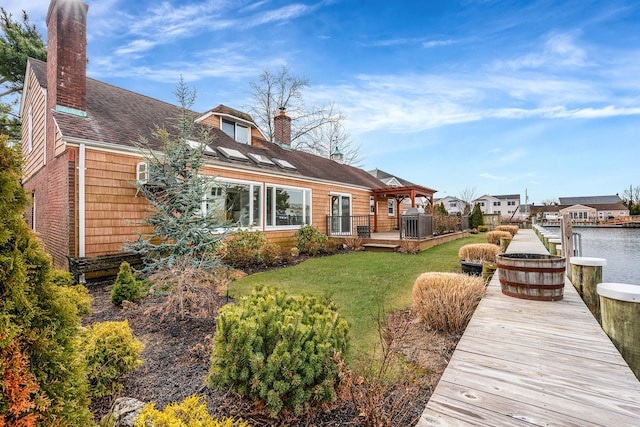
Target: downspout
x,y
81,201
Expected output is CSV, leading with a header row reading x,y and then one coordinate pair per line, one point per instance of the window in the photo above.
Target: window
x,y
372,205
236,131
390,208
453,204
496,203
233,201
288,206
482,204
30,131
511,203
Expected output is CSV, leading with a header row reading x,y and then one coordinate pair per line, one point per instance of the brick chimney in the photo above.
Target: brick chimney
x,y
67,56
282,128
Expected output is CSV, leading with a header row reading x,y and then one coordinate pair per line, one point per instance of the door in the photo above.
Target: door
x,y
340,214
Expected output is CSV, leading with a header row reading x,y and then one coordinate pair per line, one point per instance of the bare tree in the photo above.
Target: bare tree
x,y
631,196
468,195
315,129
326,139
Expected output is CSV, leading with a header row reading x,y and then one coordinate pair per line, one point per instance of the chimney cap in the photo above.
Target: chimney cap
x,y
282,110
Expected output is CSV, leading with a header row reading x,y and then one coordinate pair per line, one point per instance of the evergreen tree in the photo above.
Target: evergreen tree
x,y
18,41
442,211
476,218
180,231
43,380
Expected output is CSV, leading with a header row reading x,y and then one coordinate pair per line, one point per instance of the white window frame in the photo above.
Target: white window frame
x,y
372,205
252,186
306,192
236,125
391,208
142,172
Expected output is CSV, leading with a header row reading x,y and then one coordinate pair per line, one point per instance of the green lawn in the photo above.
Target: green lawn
x,y
360,283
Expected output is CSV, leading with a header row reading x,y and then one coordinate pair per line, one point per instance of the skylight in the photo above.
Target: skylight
x,y
284,164
232,154
260,159
196,144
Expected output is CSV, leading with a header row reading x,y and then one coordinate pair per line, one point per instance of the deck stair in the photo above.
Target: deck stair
x,y
380,247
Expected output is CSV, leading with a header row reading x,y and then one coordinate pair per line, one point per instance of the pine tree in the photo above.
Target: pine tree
x,y
18,41
476,219
181,231
38,326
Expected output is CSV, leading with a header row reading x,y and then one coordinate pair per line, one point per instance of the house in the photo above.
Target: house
x,y
506,206
583,210
81,160
452,204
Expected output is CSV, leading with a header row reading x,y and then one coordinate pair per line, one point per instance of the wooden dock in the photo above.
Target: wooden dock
x,y
534,363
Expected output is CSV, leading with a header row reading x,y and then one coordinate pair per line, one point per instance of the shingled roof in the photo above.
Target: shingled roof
x,y
590,200
121,117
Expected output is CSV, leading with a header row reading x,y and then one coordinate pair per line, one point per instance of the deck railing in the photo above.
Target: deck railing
x,y
349,225
417,227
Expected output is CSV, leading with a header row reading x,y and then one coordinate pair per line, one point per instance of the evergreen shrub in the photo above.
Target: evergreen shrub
x,y
191,412
42,377
310,240
126,287
248,248
279,349
110,350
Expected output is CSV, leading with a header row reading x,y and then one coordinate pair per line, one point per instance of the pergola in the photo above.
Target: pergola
x,y
399,194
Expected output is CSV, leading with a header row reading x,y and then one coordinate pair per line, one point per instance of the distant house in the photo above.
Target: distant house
x,y
583,210
80,160
452,204
506,206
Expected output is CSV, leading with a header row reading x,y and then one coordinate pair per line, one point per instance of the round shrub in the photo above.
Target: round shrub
x,y
310,240
279,349
446,301
110,350
494,237
191,412
126,287
479,252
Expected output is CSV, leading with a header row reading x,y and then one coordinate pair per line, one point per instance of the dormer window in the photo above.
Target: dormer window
x,y
238,132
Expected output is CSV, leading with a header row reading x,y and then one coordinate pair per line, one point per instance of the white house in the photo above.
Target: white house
x,y
507,206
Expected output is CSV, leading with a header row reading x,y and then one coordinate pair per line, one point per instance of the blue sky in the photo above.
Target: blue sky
x,y
500,96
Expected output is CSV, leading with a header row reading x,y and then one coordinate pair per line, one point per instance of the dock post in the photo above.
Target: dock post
x,y
586,273
620,309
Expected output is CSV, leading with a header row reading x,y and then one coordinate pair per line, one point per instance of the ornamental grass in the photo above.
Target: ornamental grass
x,y
446,301
511,229
479,252
495,236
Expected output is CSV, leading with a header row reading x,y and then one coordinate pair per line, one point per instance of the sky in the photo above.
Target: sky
x,y
537,98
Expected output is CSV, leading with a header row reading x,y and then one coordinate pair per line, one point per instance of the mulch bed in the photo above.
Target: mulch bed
x,y
176,362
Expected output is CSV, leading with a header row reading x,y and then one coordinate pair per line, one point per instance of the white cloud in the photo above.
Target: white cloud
x,y
560,50
492,177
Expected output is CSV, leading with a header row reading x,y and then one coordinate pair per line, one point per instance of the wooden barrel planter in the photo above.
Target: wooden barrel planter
x,y
537,277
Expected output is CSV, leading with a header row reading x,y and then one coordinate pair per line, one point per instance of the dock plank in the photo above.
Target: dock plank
x,y
534,363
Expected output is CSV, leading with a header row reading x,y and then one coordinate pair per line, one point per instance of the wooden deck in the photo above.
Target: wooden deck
x,y
534,363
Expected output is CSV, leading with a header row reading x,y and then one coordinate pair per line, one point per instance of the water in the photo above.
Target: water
x,y
619,246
